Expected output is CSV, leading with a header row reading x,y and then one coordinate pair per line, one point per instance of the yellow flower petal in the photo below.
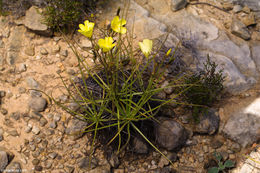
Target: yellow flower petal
x,y
168,52
106,44
146,47
117,25
87,28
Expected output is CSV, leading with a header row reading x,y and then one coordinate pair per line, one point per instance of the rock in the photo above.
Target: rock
x,y
244,128
163,162
139,146
15,115
215,144
84,163
3,160
178,4
2,44
256,55
53,125
114,161
239,29
38,168
55,49
64,53
43,51
13,132
240,56
170,134
249,19
30,50
11,57
56,117
37,104
235,147
85,44
1,134
43,121
145,26
33,21
208,122
13,167
237,8
32,83
75,128
35,161
53,155
22,68
35,130
15,44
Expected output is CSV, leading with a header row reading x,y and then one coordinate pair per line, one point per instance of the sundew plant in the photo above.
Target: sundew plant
x,y
114,97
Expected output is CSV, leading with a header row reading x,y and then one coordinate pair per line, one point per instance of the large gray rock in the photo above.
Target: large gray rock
x,y
145,26
240,55
34,21
3,160
178,4
244,128
239,29
170,134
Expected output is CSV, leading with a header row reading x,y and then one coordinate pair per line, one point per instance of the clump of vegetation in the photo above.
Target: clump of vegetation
x,y
222,166
204,88
62,13
66,14
113,98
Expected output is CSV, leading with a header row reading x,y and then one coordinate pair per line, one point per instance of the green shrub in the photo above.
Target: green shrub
x,y
208,85
63,14
203,88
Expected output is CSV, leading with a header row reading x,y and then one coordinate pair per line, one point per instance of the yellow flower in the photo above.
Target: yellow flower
x,y
87,28
106,44
118,25
168,52
146,47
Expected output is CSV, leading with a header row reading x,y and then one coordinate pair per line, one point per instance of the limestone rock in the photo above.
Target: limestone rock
x,y
239,29
33,21
243,128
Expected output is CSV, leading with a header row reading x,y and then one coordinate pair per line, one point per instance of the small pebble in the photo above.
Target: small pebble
x,y
35,161
35,130
53,155
53,125
43,121
38,168
232,156
56,117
